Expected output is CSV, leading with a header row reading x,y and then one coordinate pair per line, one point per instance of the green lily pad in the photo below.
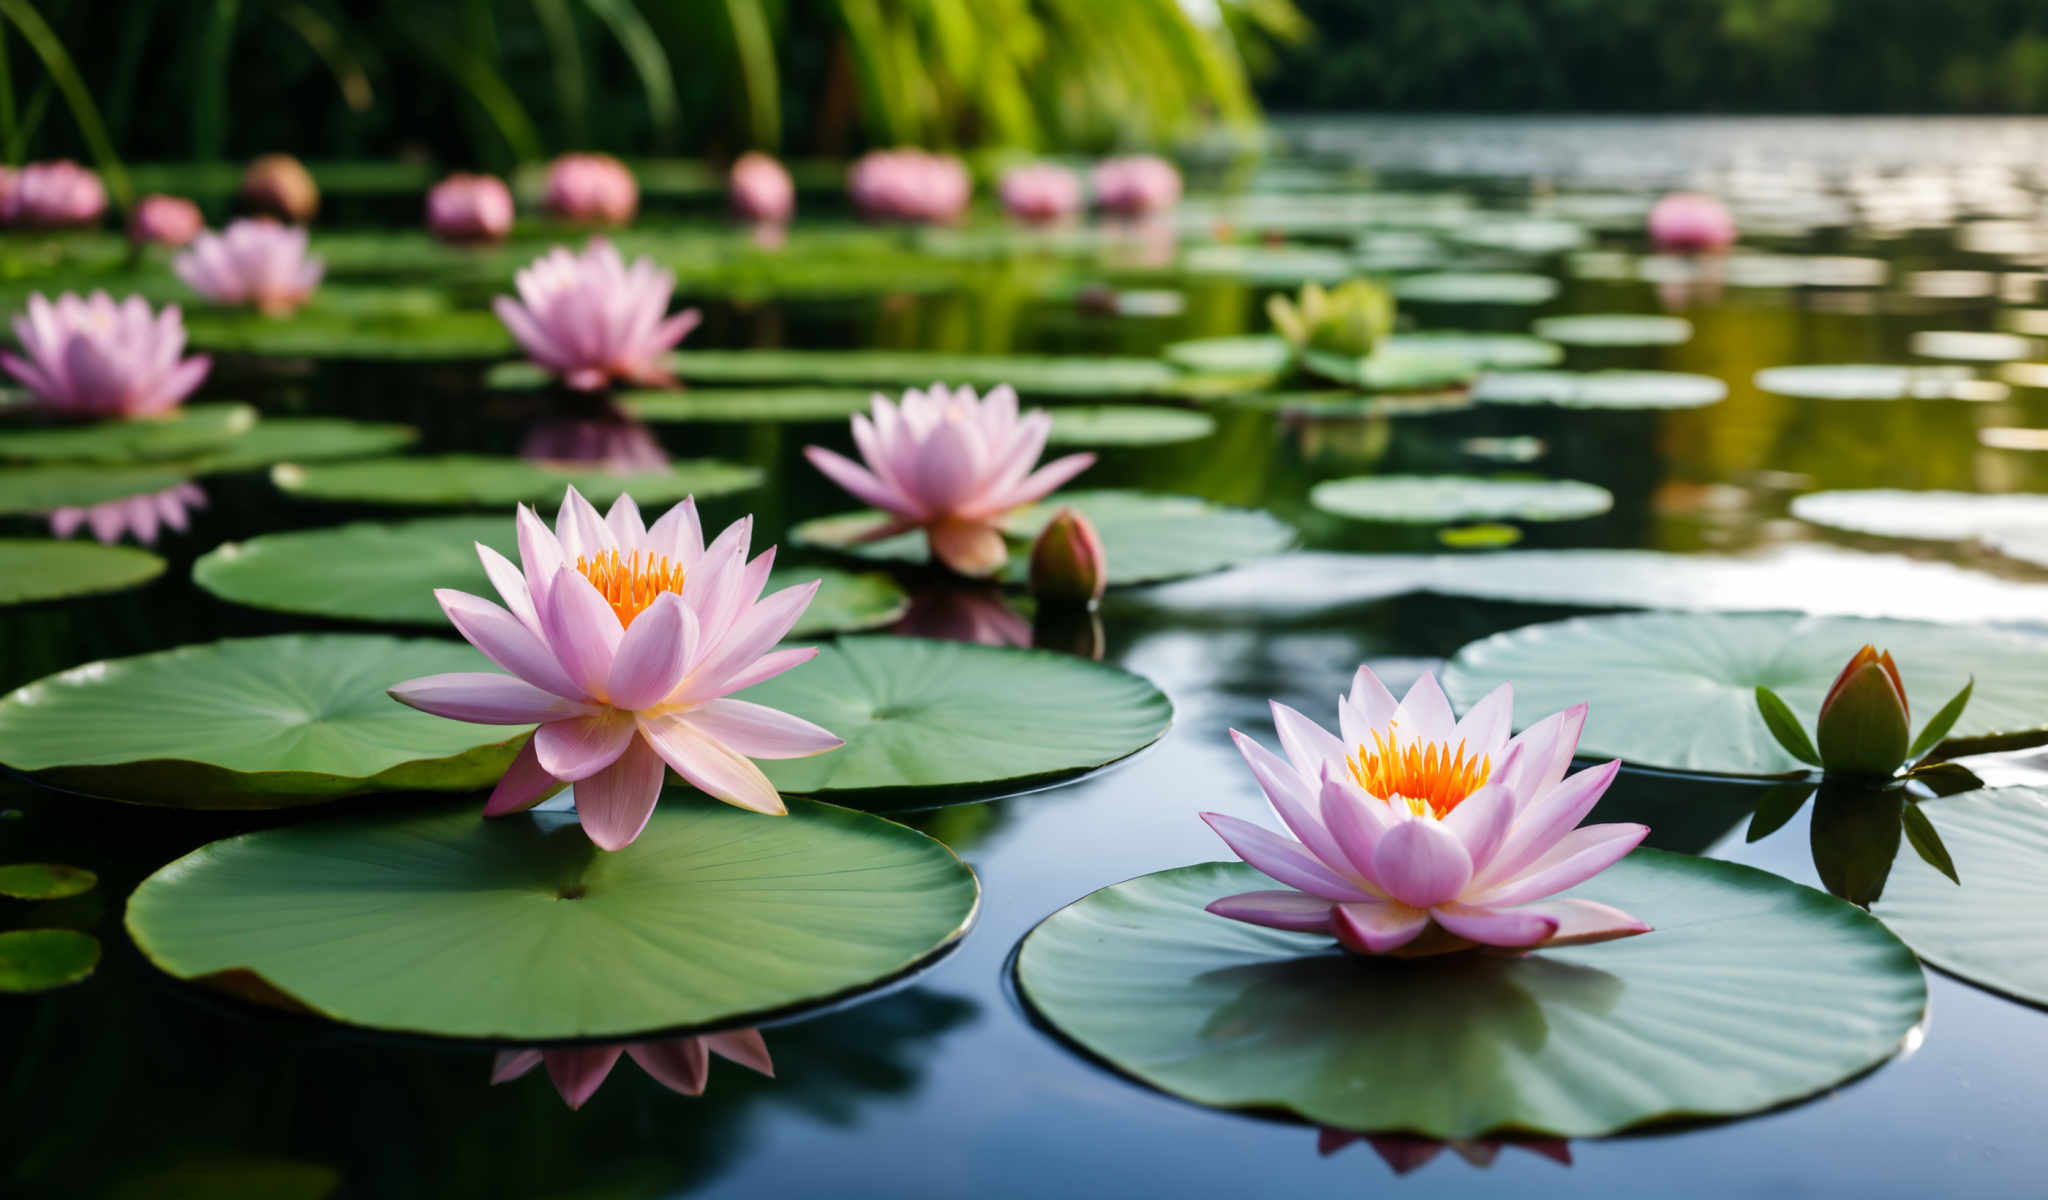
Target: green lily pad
x,y
36,960
331,329
1128,425
1600,389
1147,537
1390,368
45,881
183,432
1973,345
1269,355
1270,266
1454,499
478,481
304,439
265,722
1924,516
1877,381
1678,690
40,489
1251,354
714,916
1031,375
929,720
1989,929
746,405
387,573
1752,992
1464,287
1347,404
1615,329
1486,351
33,569
1533,236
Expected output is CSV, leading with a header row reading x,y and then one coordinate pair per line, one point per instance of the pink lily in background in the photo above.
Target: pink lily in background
x,y
280,186
591,319
165,220
1136,185
469,209
1691,223
54,195
910,185
256,262
1416,819
144,516
94,358
761,189
625,643
1406,1152
682,1065
951,465
592,189
1041,193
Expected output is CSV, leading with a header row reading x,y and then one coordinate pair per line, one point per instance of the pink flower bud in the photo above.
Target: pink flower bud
x,y
592,189
1691,223
1067,560
165,220
468,208
280,186
1041,193
1136,185
761,189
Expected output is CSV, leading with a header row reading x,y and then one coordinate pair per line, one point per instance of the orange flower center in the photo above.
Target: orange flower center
x,y
1432,778
630,582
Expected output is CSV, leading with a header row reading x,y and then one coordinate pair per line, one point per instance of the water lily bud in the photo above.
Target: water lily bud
x,y
1349,319
1864,727
280,186
762,191
165,220
466,208
1067,561
1691,223
592,189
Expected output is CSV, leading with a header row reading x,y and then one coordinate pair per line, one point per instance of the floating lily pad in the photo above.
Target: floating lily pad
x,y
477,481
1600,389
928,720
387,572
1615,329
2013,437
1458,287
2024,374
252,723
1534,236
1924,516
45,881
1147,537
1678,690
1989,929
1486,351
1392,369
1347,404
1752,992
40,489
36,960
1972,345
1452,499
1128,425
183,432
33,569
1454,354
1250,354
1877,381
348,332
715,916
747,405
304,439
1270,266
1031,375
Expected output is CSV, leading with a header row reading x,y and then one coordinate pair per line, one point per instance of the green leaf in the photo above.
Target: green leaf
x,y
1618,390
1927,843
182,432
40,489
1940,723
1786,728
1032,375
33,569
1777,806
1127,425
1615,329
1751,993
714,917
45,881
1946,778
1869,381
1478,288
1989,930
477,481
36,960
1455,499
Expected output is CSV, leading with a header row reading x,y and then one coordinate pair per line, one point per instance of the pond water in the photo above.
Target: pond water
x,y
1865,234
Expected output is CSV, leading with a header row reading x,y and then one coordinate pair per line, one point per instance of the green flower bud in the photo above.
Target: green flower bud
x,y
1864,723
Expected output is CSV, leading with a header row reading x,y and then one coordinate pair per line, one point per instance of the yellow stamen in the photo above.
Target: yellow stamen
x,y
630,582
1431,779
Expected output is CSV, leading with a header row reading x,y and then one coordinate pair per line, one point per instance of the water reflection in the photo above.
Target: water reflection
x,y
610,442
142,517
682,1065
1405,1153
987,616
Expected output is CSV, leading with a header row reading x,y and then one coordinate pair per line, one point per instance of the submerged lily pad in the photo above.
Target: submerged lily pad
x,y
1615,329
183,432
33,569
1877,381
478,481
1600,389
715,916
1989,929
1452,499
45,881
387,572
1924,516
1460,287
36,960
1752,992
746,405
1128,425
1678,690
1031,375
264,722
1147,537
929,720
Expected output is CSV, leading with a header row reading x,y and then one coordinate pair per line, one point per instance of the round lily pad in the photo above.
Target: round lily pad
x,y
304,439
478,481
1460,287
1678,690
1486,351
1250,354
45,881
1128,425
2013,437
347,332
1989,929
714,916
183,432
1269,355
1751,992
1270,266
264,722
387,572
1535,236
36,960
1600,389
1923,516
39,489
1876,381
932,720
1452,499
746,405
1031,375
1615,329
1147,537
1972,345
33,569
1391,368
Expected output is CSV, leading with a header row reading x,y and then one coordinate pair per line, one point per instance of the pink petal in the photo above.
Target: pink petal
x,y
486,699
581,629
862,484
1297,911
1289,862
524,785
1293,797
511,586
1485,729
972,548
1482,821
752,635
653,654
580,530
506,642
1577,857
1307,744
1420,863
678,536
1424,715
575,750
1551,743
577,1073
1376,927
1583,922
681,1066
1375,705
769,665
1357,821
711,766
758,731
1495,927
742,1046
511,1064
1045,480
540,556
1550,817
615,803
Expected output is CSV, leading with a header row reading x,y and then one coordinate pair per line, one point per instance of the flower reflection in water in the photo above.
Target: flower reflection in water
x,y
612,443
1405,1152
144,516
681,1065
964,614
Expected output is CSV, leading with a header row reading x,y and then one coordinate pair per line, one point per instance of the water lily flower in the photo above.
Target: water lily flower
x,y
592,189
94,358
469,209
256,262
165,220
280,186
590,318
951,465
1068,564
1136,185
1406,1152
1417,821
762,191
1349,319
1041,193
1691,223
1865,726
910,185
55,195
624,644
143,516
682,1065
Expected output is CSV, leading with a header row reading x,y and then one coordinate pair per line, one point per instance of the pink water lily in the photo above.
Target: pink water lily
x,y
951,465
1417,821
144,516
165,221
256,262
469,209
54,195
1041,193
761,189
92,357
592,189
1691,223
625,643
1136,185
591,319
910,185
682,1065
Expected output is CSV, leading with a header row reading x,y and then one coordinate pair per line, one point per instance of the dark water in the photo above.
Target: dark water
x,y
131,1085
